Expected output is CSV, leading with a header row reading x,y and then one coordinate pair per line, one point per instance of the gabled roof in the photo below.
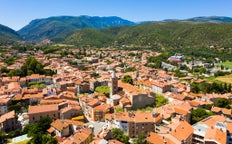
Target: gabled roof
x,y
183,131
6,116
59,124
216,135
42,109
157,139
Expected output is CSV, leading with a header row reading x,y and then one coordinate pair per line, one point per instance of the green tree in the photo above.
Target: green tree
x,y
130,69
160,100
3,137
127,79
118,134
38,131
199,114
47,139
140,139
222,103
103,89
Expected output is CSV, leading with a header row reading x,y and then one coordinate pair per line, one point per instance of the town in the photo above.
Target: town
x,y
114,96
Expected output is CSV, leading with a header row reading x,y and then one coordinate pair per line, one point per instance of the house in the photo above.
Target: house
x,y
178,131
70,112
8,122
138,98
135,123
81,136
155,138
160,87
4,103
13,88
99,112
59,128
217,110
37,112
210,130
229,132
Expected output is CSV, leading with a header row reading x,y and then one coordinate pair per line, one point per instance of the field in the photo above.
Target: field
x,y
225,64
227,78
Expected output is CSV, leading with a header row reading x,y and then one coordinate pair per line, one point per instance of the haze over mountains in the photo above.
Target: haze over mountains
x,y
103,31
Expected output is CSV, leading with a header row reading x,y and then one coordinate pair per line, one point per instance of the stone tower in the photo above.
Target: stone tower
x,y
113,84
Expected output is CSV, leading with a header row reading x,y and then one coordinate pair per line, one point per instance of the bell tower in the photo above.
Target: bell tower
x,y
113,84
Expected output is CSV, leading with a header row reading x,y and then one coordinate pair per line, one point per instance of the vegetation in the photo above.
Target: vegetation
x,y
148,108
179,74
140,139
36,85
160,100
9,60
127,79
214,87
192,39
199,114
222,103
57,28
130,69
119,109
95,75
118,134
103,89
38,132
155,61
8,35
226,78
31,66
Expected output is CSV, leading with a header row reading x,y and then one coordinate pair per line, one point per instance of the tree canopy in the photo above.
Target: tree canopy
x,y
31,66
103,89
199,114
118,134
127,79
38,132
222,103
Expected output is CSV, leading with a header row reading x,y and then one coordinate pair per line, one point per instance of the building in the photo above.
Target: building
x,y
70,112
8,122
81,136
176,58
178,131
136,123
4,103
154,138
37,112
211,130
221,111
138,98
99,112
160,87
113,84
59,128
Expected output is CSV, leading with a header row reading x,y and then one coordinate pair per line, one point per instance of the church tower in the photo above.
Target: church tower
x,y
113,84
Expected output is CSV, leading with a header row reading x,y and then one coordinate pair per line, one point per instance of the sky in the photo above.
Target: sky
x,y
18,13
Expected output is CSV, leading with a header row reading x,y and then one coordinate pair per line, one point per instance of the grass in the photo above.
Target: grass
x,y
149,108
225,64
226,78
23,142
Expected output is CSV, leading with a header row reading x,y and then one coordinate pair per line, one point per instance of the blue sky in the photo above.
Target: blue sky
x,y
18,13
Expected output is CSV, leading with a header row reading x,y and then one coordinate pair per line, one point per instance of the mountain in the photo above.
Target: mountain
x,y
57,28
159,35
8,35
212,19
